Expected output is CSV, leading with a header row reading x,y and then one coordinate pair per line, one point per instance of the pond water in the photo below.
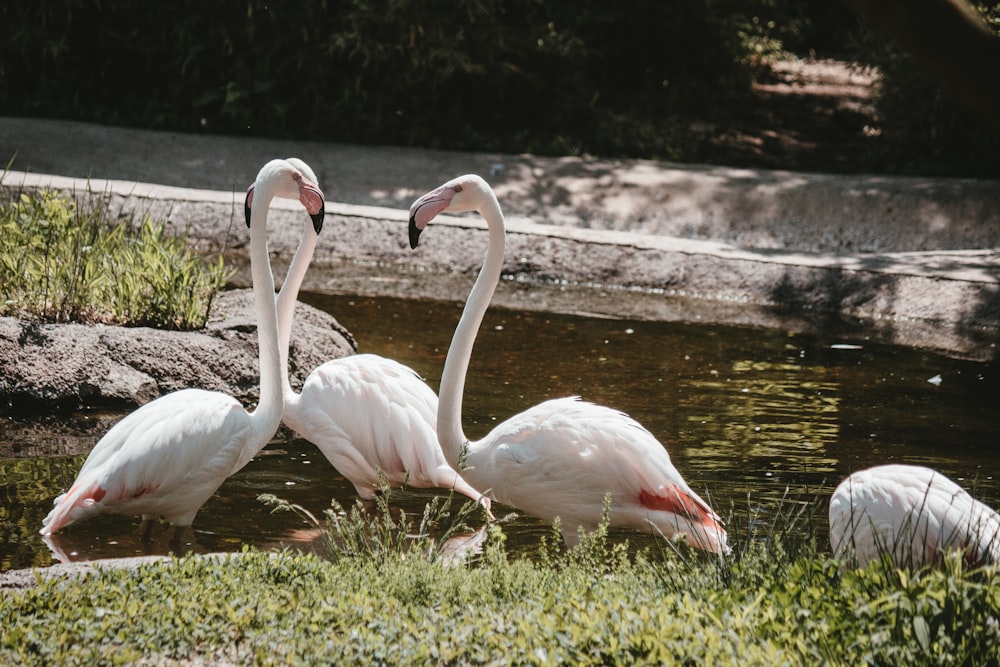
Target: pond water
x,y
761,422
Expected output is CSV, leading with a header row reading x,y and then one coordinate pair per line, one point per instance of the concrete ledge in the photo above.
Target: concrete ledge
x,y
947,300
758,208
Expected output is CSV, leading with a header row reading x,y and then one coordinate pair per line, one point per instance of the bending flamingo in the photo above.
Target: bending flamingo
x,y
912,513
561,457
169,456
365,413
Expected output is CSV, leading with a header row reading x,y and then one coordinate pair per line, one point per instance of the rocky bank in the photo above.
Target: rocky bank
x,y
69,365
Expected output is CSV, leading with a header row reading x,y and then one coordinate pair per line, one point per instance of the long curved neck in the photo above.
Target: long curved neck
x,y
286,301
267,415
456,365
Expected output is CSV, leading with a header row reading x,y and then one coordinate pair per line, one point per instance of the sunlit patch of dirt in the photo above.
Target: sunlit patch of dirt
x,y
808,115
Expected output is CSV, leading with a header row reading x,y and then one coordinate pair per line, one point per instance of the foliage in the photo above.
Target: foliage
x,y
546,77
382,533
568,78
773,602
63,261
588,609
924,128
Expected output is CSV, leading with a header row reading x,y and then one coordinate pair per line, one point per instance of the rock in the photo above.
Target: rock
x,y
70,365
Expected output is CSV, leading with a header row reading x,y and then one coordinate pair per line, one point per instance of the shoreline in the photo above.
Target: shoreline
x,y
946,299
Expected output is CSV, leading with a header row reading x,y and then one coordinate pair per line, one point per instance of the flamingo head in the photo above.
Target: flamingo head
x,y
292,179
461,194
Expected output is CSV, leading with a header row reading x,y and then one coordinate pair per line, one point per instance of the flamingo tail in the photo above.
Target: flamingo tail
x,y
709,532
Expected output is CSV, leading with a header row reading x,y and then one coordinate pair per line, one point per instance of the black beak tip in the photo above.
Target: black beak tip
x,y
318,220
414,233
246,211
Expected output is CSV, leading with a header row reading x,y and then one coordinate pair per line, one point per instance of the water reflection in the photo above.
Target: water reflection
x,y
758,421
773,414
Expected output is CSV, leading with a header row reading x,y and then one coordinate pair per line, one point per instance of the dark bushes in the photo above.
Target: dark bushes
x,y
630,79
551,77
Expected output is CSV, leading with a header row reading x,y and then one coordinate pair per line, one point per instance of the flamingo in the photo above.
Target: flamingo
x,y
367,414
912,513
560,458
169,456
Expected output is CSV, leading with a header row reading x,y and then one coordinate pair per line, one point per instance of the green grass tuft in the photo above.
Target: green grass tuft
x,y
63,261
376,531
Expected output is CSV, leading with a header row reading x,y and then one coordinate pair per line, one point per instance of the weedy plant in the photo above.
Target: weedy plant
x,y
75,261
380,532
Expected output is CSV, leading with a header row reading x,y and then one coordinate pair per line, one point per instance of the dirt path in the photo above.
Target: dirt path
x,y
808,115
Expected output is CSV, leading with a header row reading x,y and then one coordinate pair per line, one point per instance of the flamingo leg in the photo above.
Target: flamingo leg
x,y
146,528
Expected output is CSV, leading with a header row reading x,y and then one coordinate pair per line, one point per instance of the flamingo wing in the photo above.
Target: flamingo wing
x,y
366,412
166,458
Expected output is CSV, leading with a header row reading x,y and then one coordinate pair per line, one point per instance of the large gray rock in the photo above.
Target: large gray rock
x,y
75,364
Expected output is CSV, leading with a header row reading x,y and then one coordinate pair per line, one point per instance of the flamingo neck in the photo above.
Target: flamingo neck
x,y
267,415
286,301
456,365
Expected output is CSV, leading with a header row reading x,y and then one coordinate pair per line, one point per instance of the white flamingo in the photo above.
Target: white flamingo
x,y
366,413
562,457
169,456
911,513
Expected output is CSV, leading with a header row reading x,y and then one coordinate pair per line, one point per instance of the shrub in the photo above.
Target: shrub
x,y
546,77
376,531
281,608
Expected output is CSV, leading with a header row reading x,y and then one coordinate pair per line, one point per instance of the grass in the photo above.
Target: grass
x,y
770,603
376,531
66,261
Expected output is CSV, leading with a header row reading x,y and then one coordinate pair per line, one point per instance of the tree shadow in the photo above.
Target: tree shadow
x,y
874,298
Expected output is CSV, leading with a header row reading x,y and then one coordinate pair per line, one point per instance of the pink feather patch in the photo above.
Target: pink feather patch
x,y
95,494
679,503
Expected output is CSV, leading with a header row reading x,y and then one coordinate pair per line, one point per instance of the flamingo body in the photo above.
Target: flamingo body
x,y
169,456
192,439
562,457
367,414
912,513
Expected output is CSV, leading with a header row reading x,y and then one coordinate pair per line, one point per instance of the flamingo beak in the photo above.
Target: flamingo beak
x,y
247,203
414,233
426,209
309,195
312,198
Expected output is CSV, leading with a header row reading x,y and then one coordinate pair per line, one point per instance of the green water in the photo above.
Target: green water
x,y
759,421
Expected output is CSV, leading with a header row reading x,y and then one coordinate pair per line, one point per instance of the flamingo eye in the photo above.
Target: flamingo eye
x,y
458,188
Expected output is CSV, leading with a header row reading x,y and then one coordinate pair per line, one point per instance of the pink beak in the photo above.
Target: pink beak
x,y
312,198
426,209
309,195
